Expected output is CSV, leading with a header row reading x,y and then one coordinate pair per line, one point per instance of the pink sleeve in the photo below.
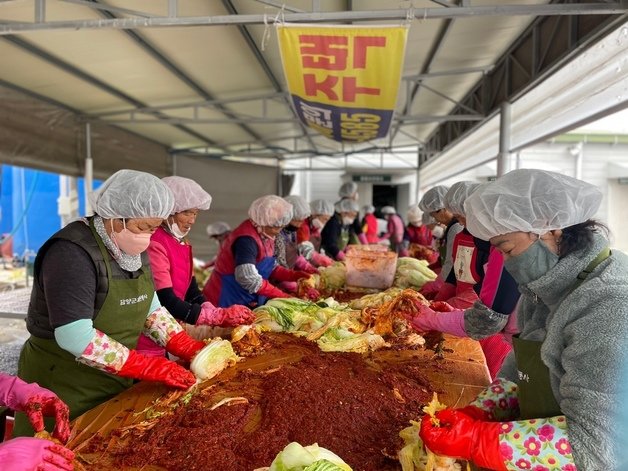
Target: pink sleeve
x,y
160,265
492,276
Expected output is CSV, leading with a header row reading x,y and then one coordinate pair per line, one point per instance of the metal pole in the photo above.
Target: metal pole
x,y
418,173
279,179
89,170
322,17
504,139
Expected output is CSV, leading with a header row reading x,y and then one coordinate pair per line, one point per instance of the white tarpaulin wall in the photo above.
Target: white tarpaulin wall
x,y
591,85
233,187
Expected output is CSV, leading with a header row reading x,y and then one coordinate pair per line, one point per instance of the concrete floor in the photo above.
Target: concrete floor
x,y
13,333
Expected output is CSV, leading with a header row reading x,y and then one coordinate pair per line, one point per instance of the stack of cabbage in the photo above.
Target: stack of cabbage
x,y
335,327
295,457
412,273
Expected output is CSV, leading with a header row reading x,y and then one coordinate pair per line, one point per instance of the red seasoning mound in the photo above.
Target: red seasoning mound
x,y
342,401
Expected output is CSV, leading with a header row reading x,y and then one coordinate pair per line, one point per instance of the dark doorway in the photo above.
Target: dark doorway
x,y
384,195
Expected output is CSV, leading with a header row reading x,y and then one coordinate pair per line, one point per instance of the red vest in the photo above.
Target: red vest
x,y
225,262
419,235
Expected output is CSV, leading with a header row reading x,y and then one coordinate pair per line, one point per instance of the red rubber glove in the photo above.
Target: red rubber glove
x,y
283,274
340,256
138,366
28,453
184,346
441,306
461,436
475,413
37,403
271,291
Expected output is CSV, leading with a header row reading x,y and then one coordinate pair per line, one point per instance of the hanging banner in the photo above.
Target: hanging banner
x,y
344,79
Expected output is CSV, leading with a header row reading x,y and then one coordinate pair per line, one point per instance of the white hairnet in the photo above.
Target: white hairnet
x,y
300,208
415,214
132,194
187,194
427,219
348,189
434,199
322,208
218,228
388,210
368,209
458,194
270,210
528,200
347,206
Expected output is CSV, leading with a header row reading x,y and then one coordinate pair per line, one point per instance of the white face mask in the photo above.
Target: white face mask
x,y
317,223
347,221
438,232
415,223
176,231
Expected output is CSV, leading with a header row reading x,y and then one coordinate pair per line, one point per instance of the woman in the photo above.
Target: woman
x,y
170,256
29,453
309,234
395,228
218,232
85,317
573,322
247,261
433,203
336,233
287,249
418,238
369,224
481,292
349,191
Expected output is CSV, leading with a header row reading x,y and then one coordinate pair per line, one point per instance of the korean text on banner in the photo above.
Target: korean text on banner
x,y
344,79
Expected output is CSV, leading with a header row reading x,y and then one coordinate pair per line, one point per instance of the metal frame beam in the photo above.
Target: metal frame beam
x,y
96,82
160,57
542,48
320,17
266,68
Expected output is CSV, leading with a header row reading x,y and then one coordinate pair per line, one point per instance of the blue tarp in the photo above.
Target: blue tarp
x,y
28,204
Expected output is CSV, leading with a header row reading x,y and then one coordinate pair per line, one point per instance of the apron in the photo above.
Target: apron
x,y
344,238
122,317
536,398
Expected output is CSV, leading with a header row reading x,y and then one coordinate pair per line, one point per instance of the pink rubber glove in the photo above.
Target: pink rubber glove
x,y
431,288
303,265
447,322
446,291
340,256
225,317
362,238
35,454
36,402
321,260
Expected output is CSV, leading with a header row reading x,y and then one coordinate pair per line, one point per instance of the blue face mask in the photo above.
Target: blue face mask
x,y
531,264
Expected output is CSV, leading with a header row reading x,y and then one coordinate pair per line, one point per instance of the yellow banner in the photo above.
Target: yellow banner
x,y
344,80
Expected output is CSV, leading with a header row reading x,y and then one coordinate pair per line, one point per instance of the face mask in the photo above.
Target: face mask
x,y
129,242
438,232
176,231
415,223
317,224
532,264
347,221
291,228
